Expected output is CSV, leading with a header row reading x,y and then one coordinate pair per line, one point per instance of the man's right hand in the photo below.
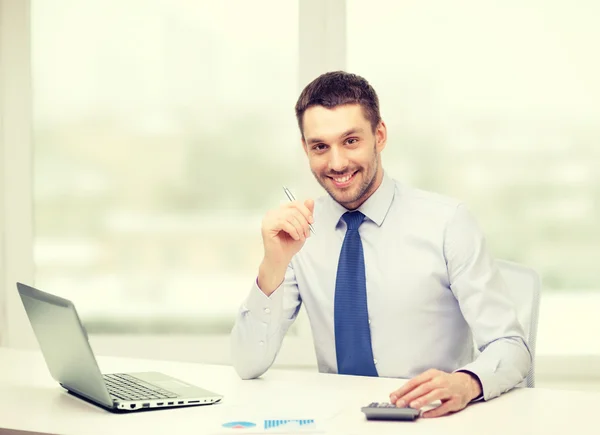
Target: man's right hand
x,y
284,231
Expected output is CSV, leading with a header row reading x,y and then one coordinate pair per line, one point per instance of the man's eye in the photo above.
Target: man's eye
x,y
320,147
351,141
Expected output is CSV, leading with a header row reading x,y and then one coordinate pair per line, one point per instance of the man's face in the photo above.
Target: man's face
x,y
344,152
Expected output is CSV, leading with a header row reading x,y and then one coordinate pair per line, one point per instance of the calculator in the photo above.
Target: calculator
x,y
389,411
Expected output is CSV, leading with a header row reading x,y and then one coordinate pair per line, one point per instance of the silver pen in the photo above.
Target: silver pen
x,y
292,199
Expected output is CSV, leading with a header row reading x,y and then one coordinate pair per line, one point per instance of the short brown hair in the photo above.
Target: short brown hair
x,y
339,88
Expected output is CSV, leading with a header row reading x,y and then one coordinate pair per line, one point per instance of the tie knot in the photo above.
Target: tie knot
x,y
353,219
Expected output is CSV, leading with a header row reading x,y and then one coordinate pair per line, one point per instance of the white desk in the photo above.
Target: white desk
x,y
31,401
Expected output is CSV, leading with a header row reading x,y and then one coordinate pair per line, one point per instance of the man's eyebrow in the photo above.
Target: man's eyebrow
x,y
313,140
347,133
351,132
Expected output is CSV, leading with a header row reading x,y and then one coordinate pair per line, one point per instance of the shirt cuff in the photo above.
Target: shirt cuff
x,y
484,371
262,307
477,379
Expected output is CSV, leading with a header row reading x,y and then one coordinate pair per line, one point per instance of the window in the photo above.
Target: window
x,y
160,139
496,103
163,131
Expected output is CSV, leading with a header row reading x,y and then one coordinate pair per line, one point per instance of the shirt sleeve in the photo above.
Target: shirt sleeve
x,y
261,323
477,284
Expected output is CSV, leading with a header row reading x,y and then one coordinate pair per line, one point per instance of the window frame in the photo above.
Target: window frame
x,y
16,173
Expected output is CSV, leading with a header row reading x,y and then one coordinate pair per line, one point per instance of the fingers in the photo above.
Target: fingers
x,y
294,232
292,218
445,408
304,208
412,384
310,205
429,387
428,398
301,222
292,222
299,215
416,393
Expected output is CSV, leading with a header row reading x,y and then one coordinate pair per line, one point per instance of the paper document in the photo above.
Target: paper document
x,y
271,426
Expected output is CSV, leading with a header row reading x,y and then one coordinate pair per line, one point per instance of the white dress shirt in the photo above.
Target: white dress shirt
x,y
433,290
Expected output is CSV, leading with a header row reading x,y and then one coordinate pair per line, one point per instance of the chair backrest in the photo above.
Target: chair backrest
x,y
524,287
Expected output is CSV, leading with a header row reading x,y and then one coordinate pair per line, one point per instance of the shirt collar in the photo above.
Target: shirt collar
x,y
375,208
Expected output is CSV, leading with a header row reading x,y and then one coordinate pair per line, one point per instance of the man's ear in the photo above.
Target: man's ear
x,y
381,136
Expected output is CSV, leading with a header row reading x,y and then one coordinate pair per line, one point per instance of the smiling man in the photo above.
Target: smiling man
x,y
396,281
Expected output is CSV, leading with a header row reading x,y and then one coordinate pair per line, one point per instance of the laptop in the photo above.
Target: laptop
x,y
64,344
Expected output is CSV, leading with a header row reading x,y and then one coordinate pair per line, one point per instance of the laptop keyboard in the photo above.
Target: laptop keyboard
x,y
126,387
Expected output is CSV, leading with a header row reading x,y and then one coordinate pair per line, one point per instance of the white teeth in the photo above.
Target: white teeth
x,y
343,179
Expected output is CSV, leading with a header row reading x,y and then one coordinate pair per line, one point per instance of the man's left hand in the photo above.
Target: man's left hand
x,y
454,390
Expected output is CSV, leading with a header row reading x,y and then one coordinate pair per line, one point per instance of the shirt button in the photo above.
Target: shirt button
x,y
369,321
375,361
261,343
267,310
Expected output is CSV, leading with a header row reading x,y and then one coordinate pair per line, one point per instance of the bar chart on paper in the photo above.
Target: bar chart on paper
x,y
304,424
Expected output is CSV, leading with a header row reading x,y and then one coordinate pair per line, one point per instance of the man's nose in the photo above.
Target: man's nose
x,y
338,161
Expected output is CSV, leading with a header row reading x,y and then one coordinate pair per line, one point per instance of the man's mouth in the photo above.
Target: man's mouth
x,y
344,180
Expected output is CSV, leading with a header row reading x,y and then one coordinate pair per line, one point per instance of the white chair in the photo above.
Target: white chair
x,y
524,287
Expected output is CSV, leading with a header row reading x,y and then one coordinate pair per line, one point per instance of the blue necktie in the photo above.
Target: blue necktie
x,y
352,333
